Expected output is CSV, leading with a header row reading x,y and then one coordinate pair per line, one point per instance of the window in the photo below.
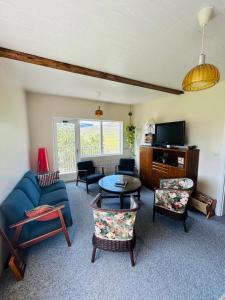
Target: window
x,y
90,138
111,135
75,138
65,145
100,138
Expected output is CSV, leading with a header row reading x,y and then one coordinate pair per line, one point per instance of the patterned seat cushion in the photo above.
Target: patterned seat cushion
x,y
173,200
177,183
53,187
112,225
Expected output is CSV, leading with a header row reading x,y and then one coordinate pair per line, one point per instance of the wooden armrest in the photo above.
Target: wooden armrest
x,y
100,167
27,220
85,172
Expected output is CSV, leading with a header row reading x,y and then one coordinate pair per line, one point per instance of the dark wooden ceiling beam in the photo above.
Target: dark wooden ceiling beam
x,y
54,64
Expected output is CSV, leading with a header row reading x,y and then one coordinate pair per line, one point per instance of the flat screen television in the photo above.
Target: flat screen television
x,y
172,133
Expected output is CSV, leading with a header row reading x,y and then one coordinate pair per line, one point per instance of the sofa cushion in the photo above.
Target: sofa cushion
x,y
36,230
54,197
15,205
53,187
39,210
27,186
33,177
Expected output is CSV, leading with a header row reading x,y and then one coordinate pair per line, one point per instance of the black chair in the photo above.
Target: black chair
x,y
126,167
86,172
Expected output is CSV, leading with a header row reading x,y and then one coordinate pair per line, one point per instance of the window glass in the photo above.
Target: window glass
x,y
111,136
90,138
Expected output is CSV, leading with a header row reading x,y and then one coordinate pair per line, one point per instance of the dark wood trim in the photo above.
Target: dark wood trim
x,y
39,238
15,262
114,246
28,220
42,237
54,64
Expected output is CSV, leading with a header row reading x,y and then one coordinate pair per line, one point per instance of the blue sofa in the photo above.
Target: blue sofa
x,y
27,195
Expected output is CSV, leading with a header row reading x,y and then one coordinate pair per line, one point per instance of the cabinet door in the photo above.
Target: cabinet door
x,y
176,172
159,171
157,175
145,165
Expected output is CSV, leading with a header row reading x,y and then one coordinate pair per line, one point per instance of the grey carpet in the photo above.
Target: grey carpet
x,y
170,263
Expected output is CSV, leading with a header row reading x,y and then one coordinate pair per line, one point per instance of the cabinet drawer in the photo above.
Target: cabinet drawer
x,y
161,168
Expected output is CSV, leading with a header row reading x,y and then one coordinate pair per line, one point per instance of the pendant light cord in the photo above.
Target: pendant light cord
x,y
203,38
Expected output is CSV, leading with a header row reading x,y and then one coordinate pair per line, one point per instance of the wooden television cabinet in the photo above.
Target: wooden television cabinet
x,y
158,163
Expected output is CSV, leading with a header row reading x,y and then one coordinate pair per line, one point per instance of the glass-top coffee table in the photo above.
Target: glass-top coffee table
x,y
108,184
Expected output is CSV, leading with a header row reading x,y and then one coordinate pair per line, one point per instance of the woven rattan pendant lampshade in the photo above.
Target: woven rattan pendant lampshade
x,y
202,76
98,112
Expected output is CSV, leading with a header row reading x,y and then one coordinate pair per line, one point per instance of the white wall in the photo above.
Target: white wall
x,y
43,108
14,160
204,113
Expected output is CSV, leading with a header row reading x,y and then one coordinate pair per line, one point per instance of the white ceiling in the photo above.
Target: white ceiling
x,y
153,41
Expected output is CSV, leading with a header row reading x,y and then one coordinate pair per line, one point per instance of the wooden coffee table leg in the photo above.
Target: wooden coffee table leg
x,y
121,201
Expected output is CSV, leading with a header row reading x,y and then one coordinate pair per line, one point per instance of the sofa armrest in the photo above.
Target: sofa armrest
x,y
27,220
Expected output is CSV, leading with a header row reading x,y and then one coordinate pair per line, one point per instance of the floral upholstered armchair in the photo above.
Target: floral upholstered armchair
x,y
114,229
172,197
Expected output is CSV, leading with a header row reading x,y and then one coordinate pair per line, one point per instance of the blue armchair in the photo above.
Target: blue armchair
x,y
87,173
126,167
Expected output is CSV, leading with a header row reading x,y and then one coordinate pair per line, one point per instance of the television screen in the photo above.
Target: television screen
x,y
172,133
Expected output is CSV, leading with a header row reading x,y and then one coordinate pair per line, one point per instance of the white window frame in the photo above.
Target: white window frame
x,y
77,139
101,138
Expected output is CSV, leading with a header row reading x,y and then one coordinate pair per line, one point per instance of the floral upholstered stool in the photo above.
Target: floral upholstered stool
x,y
172,197
114,229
